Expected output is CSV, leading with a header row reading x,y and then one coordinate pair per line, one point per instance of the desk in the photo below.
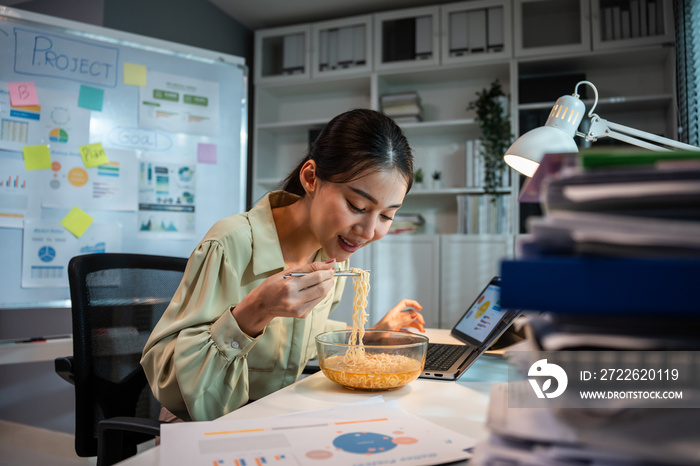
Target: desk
x,y
13,353
460,406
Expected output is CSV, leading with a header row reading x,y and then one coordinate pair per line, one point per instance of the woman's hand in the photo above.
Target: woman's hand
x,y
403,315
284,297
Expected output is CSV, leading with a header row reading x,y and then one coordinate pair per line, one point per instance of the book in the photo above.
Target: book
x,y
658,287
399,98
477,31
424,37
495,29
402,110
358,35
346,46
459,40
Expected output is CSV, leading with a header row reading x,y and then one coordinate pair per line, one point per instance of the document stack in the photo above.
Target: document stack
x,y
638,18
474,31
403,107
482,214
611,268
342,47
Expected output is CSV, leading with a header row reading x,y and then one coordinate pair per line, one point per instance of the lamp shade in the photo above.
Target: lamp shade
x,y
557,135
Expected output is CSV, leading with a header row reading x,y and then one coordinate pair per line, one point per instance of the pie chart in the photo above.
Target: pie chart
x,y
58,135
47,253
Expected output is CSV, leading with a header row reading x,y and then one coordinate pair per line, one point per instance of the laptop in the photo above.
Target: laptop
x,y
482,324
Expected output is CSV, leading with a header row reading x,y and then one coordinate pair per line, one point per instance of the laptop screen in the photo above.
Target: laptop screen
x,y
483,316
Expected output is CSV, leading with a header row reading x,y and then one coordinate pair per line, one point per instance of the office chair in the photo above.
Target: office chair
x,y
116,301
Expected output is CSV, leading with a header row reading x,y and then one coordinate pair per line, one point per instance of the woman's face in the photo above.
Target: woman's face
x,y
348,216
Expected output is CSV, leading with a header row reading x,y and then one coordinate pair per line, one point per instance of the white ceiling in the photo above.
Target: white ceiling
x,y
258,14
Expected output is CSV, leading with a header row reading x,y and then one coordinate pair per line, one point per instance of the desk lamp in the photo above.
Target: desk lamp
x,y
557,135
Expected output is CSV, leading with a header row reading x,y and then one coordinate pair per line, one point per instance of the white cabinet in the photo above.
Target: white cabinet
x,y
283,53
407,37
342,47
551,26
476,31
624,23
405,266
467,263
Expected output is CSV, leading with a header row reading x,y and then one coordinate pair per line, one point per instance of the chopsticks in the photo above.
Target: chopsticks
x,y
338,273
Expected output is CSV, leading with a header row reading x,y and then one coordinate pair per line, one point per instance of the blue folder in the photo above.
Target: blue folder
x,y
609,286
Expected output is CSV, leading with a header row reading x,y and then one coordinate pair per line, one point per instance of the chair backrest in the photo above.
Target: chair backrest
x,y
116,301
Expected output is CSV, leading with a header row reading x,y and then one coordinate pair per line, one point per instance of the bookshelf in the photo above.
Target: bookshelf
x,y
634,77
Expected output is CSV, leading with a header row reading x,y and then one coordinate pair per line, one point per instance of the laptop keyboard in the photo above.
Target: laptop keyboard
x,y
440,357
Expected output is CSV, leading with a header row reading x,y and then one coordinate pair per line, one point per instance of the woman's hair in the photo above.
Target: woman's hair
x,y
352,144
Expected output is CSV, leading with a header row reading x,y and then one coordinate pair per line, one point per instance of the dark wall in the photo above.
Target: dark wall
x,y
192,22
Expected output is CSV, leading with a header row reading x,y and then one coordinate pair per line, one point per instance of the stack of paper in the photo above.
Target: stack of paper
x,y
621,204
367,433
613,266
540,436
403,107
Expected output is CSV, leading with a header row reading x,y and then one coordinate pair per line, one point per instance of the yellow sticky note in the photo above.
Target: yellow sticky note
x,y
77,221
134,75
93,155
36,157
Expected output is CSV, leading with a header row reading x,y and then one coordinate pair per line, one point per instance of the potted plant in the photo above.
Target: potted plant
x,y
418,178
493,120
437,181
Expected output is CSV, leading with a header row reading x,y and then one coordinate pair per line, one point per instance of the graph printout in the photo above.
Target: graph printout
x,y
179,105
20,197
354,435
166,199
48,247
111,186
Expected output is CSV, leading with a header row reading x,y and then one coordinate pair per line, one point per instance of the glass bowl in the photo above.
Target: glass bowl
x,y
387,361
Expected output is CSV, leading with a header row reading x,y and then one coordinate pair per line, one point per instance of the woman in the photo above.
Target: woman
x,y
236,329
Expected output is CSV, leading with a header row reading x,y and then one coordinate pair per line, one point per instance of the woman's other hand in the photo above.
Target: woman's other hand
x,y
403,315
284,297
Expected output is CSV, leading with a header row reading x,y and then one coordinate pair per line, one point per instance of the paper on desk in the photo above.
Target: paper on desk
x,y
356,434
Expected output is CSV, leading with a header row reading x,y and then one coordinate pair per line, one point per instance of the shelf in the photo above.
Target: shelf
x,y
14,353
620,103
625,58
459,72
452,191
440,128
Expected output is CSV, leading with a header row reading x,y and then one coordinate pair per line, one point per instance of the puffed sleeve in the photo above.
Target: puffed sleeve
x,y
195,359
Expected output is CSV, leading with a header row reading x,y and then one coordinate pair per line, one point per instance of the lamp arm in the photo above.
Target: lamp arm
x,y
601,128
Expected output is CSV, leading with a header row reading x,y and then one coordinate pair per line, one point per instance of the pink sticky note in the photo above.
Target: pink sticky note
x,y
206,153
22,94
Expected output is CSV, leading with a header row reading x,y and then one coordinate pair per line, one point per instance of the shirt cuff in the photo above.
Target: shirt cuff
x,y
229,337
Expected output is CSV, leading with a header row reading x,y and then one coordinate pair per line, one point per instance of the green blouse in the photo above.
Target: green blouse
x,y
199,363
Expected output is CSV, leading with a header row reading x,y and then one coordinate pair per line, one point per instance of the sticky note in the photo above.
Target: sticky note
x,y
76,221
36,157
134,75
91,98
93,155
22,94
206,153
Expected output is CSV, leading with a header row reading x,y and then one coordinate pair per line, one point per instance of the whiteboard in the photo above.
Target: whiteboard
x,y
182,114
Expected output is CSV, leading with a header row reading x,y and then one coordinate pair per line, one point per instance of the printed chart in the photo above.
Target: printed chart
x,y
355,435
